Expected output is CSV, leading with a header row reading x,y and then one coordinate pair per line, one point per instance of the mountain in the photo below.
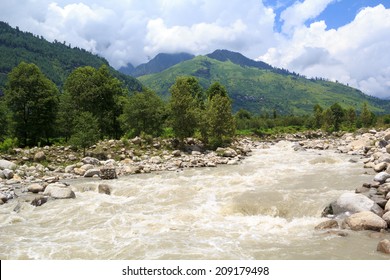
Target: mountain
x,y
161,62
259,88
239,59
56,60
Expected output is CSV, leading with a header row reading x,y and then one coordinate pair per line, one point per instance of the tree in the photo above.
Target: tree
x,y
65,116
219,119
86,131
350,117
144,112
98,92
367,118
185,105
3,120
32,99
318,112
338,116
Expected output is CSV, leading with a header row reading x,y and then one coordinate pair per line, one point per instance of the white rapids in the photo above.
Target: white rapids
x,y
264,208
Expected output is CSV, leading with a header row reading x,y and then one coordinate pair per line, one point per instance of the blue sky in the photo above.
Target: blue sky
x,y
344,40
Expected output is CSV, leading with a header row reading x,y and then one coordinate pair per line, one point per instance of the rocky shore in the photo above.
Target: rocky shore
x,y
368,207
37,175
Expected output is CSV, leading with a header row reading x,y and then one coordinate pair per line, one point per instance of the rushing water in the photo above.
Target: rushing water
x,y
264,208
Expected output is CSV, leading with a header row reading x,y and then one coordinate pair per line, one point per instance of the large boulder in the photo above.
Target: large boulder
x,y
384,246
365,220
59,191
387,206
5,164
351,203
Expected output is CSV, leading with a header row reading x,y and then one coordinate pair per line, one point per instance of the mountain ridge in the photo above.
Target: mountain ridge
x,y
262,88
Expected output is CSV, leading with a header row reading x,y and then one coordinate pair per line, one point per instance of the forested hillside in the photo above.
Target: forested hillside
x,y
56,60
260,88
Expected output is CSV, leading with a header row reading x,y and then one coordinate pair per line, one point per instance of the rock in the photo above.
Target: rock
x,y
105,189
3,197
387,206
108,173
380,166
362,189
386,218
8,174
90,160
59,191
36,188
327,225
91,172
388,148
87,167
378,199
79,171
5,164
176,153
354,203
387,137
156,160
39,201
137,140
39,156
360,143
384,246
365,220
381,177
70,168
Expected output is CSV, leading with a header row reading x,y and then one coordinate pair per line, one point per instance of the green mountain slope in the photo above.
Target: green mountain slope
x,y
56,60
263,90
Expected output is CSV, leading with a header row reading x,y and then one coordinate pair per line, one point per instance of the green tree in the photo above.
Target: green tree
x,y
185,105
98,92
32,99
86,129
65,116
350,118
219,118
338,116
3,120
318,116
367,118
144,112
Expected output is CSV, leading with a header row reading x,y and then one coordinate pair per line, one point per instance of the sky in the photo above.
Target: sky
x,y
343,40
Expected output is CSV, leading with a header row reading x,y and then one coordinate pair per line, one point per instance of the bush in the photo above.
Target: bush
x,y
8,144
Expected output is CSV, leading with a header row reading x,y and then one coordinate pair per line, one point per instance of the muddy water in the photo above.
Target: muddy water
x,y
264,208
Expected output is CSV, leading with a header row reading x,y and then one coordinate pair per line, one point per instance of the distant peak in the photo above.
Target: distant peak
x,y
238,58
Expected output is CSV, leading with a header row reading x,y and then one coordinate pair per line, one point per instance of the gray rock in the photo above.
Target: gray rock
x,y
384,246
8,174
59,191
91,172
378,199
386,218
2,176
39,201
87,167
380,166
388,148
176,153
353,203
381,177
70,168
5,164
105,189
387,137
39,156
387,206
365,220
327,225
90,160
35,188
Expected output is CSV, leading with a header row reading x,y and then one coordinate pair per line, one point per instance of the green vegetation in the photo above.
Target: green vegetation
x,y
263,91
32,100
56,60
86,131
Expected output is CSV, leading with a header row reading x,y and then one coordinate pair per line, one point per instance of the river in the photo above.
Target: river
x,y
264,208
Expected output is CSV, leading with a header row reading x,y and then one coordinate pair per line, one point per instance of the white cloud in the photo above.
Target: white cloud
x,y
297,14
125,31
355,54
